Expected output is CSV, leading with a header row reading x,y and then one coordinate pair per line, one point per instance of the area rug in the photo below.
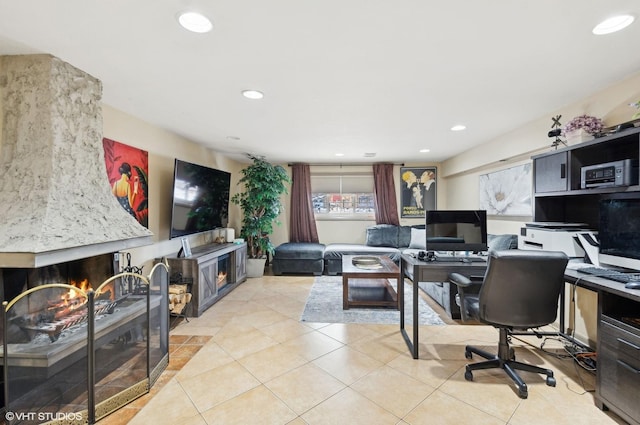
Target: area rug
x,y
324,305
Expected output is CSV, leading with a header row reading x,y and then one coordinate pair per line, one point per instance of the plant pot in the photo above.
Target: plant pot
x,y
578,136
255,267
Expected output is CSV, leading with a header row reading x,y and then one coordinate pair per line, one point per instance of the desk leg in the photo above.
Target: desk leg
x,y
400,294
345,292
413,346
415,320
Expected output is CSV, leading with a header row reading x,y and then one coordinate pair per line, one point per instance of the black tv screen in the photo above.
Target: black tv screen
x,y
456,230
200,199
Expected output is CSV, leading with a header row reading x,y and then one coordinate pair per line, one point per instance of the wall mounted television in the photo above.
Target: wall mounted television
x,y
619,231
456,230
200,199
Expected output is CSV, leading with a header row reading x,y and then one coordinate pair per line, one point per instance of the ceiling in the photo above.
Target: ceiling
x,y
355,77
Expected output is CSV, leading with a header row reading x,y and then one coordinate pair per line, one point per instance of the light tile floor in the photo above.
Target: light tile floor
x,y
258,364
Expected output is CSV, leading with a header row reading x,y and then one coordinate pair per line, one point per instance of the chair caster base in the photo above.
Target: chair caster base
x,y
523,393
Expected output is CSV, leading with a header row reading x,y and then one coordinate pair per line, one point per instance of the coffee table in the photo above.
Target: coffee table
x,y
367,284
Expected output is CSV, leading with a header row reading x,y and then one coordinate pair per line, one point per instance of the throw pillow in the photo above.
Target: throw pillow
x,y
382,235
418,239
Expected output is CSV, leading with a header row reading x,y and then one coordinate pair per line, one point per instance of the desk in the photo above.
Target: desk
x,y
618,340
618,344
428,271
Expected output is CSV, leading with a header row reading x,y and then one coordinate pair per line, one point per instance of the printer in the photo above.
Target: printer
x,y
553,236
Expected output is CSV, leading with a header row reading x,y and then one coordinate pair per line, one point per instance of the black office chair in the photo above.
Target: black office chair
x,y
520,291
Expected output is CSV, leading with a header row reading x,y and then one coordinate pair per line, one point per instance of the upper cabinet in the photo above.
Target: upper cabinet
x,y
570,182
550,173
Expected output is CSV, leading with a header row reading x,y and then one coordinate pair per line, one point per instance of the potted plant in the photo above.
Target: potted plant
x,y
582,128
260,202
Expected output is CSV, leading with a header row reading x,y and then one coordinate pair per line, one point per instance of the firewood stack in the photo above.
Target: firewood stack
x,y
179,297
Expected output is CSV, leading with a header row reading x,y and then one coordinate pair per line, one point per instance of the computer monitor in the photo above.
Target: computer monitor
x,y
456,230
619,231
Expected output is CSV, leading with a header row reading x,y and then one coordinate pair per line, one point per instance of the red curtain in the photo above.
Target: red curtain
x,y
384,195
302,225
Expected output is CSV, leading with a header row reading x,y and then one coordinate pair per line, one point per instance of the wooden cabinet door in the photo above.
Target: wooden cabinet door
x,y
241,263
207,289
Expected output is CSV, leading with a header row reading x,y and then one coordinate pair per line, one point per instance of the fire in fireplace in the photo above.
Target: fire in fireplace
x,y
223,270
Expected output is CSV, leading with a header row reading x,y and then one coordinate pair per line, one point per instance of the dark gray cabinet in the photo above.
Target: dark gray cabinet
x,y
559,197
214,269
618,373
551,173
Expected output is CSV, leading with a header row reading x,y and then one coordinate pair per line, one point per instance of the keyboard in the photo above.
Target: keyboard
x,y
459,259
611,274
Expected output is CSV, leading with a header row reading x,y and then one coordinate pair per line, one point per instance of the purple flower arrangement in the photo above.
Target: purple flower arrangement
x,y
591,125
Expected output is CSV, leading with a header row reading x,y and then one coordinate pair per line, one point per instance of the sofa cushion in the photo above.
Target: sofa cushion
x,y
502,242
418,239
299,251
337,250
382,235
404,236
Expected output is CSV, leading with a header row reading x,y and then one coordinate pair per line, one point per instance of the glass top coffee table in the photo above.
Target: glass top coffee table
x,y
365,281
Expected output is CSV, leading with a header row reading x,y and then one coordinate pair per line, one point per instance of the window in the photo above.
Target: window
x,y
342,196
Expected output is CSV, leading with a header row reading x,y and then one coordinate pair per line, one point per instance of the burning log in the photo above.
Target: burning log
x,y
58,318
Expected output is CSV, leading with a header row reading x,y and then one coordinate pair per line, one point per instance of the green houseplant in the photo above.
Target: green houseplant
x,y
260,202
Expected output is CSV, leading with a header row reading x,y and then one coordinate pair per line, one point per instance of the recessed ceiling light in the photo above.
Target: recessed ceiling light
x,y
339,154
458,127
234,138
425,150
613,24
195,22
252,94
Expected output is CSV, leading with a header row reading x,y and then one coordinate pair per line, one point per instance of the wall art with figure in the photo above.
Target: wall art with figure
x,y
128,172
418,192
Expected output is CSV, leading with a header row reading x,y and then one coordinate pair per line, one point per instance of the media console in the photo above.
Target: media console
x,y
215,270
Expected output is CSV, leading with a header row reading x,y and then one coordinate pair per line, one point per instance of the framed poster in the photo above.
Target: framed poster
x,y
128,171
507,192
418,192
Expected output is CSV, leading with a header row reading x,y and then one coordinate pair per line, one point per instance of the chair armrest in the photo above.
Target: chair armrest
x,y
464,284
460,280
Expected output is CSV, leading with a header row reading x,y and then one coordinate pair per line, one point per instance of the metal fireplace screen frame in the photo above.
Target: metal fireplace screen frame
x,y
71,355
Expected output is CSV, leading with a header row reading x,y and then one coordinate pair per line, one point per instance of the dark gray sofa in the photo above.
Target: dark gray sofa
x,y
381,239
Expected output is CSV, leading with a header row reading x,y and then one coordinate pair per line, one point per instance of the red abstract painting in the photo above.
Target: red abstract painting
x,y
128,172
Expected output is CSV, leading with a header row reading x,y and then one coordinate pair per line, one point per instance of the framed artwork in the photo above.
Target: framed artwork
x,y
186,248
418,192
507,192
128,173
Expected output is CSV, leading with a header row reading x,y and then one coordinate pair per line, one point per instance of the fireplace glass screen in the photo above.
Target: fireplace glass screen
x,y
75,355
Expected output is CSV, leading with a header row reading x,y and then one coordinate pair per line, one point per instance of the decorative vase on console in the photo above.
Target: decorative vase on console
x,y
582,128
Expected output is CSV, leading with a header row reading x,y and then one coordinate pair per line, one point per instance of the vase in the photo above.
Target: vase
x,y
577,136
255,267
